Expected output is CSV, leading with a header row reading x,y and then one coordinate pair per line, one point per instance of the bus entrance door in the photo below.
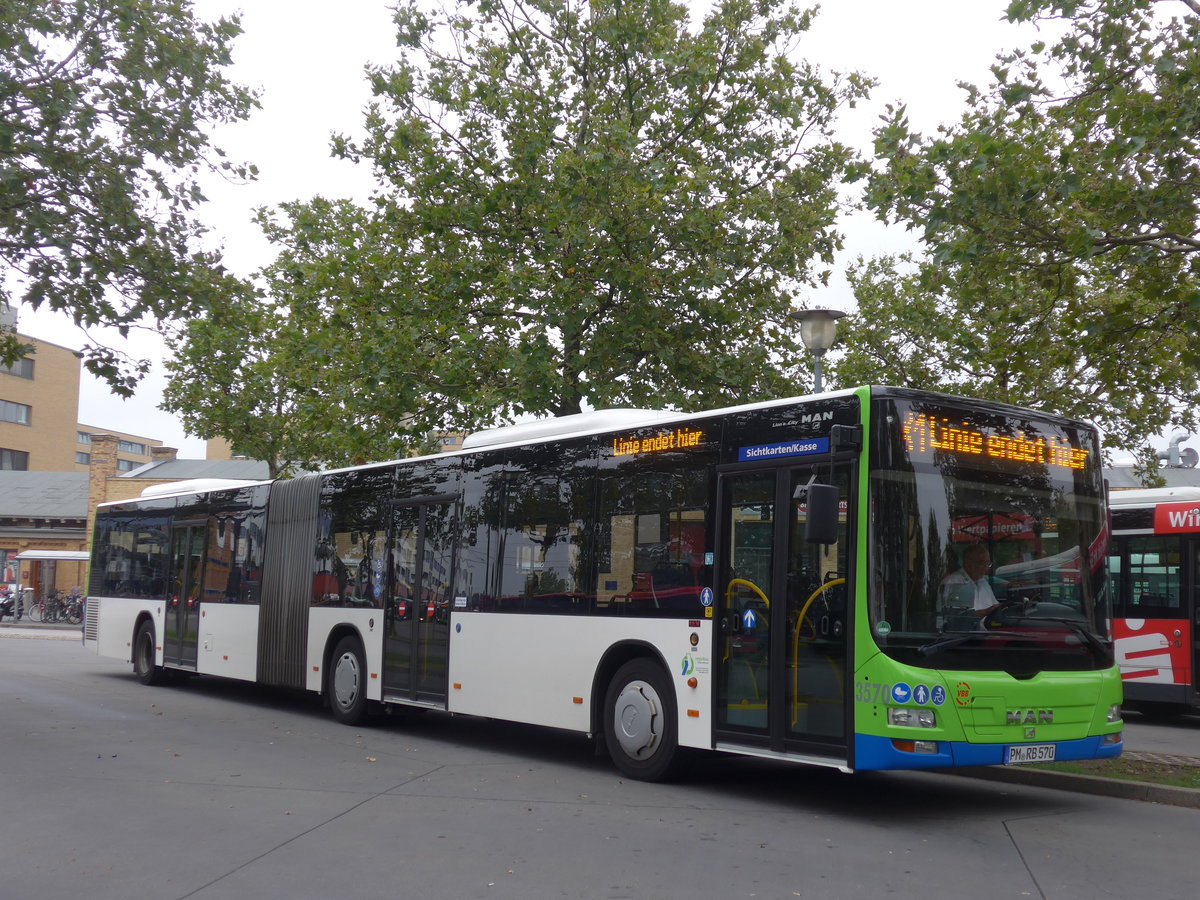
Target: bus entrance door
x,y
417,618
782,611
182,626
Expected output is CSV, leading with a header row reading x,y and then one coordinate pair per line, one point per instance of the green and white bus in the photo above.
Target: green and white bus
x,y
780,580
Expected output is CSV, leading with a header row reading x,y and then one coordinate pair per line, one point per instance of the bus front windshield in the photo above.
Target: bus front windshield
x,y
988,540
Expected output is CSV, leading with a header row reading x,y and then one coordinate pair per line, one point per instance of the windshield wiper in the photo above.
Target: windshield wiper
x,y
1094,643
955,638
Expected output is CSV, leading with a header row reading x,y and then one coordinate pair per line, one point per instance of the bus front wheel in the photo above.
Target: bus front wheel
x,y
143,655
348,682
640,725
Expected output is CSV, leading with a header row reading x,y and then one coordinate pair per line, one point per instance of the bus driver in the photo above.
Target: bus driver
x,y
968,586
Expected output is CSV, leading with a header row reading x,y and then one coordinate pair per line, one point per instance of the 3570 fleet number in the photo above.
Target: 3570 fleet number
x,y
871,692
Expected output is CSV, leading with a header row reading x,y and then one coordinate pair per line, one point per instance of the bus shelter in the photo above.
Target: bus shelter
x,y
42,568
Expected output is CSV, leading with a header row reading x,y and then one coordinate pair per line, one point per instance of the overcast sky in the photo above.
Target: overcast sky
x,y
307,57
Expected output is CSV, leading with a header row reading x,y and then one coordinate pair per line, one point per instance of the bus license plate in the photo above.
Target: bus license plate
x,y
1023,754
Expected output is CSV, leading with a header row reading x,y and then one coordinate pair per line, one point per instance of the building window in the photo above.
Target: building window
x,y
83,459
22,368
14,412
10,565
128,465
83,437
131,447
14,460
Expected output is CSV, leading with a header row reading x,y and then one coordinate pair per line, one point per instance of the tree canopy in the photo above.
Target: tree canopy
x,y
334,361
104,106
597,202
1060,221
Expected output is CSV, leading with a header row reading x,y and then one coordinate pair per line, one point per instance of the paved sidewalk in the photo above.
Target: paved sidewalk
x,y
40,631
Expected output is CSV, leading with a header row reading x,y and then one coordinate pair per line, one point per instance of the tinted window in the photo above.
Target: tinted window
x,y
482,515
544,563
352,539
652,529
129,556
233,563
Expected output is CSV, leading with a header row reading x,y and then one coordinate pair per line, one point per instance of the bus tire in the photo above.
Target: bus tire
x,y
348,682
640,724
143,655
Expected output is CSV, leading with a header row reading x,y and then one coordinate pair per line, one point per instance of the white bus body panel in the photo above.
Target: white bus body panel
x,y
114,626
531,668
369,624
228,640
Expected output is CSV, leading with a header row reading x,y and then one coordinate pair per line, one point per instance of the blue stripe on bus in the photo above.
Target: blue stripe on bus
x,y
873,752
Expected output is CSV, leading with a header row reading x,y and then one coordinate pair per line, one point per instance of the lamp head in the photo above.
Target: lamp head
x,y
818,328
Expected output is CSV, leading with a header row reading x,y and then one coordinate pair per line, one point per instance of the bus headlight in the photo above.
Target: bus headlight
x,y
1114,713
912,718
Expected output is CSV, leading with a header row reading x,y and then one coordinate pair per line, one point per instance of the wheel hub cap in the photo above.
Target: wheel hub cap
x,y
345,680
637,717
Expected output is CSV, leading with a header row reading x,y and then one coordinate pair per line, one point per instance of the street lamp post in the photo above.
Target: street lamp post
x,y
818,330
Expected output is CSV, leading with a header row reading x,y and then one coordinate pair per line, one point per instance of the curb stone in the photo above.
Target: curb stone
x,y
1086,784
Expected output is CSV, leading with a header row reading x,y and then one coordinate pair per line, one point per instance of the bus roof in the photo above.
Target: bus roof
x,y
1145,497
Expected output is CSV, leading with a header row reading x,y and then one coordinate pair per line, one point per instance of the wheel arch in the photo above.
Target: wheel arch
x,y
612,660
332,639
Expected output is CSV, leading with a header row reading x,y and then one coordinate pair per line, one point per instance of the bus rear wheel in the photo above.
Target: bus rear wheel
x,y
348,682
143,655
640,724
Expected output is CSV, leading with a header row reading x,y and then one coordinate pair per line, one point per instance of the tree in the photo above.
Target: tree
x,y
241,372
1060,219
595,204
327,364
103,110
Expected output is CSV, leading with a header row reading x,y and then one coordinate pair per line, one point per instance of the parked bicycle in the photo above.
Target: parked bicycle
x,y
34,607
72,607
53,607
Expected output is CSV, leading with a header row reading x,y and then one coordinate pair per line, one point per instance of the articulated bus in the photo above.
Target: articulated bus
x,y
777,580
1155,566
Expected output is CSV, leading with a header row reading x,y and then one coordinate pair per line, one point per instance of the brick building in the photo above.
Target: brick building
x,y
40,429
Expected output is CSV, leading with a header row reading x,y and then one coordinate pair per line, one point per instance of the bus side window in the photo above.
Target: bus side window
x,y
1153,576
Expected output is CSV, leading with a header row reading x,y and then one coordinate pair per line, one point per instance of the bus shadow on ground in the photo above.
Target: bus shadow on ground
x,y
709,778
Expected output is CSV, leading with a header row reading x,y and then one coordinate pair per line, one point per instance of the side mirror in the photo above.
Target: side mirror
x,y
821,526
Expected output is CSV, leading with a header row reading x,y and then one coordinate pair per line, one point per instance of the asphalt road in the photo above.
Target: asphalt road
x,y
1178,736
213,789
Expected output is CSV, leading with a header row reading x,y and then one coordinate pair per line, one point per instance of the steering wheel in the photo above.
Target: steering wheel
x,y
1015,608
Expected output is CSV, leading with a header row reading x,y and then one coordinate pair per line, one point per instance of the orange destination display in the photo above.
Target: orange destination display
x,y
924,433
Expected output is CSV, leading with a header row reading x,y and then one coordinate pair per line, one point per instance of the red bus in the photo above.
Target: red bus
x,y
1155,566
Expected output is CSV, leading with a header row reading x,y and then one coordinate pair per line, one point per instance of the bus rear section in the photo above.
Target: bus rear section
x,y
1155,564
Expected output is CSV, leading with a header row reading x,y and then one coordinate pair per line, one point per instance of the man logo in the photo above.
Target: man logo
x,y
817,417
1029,717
